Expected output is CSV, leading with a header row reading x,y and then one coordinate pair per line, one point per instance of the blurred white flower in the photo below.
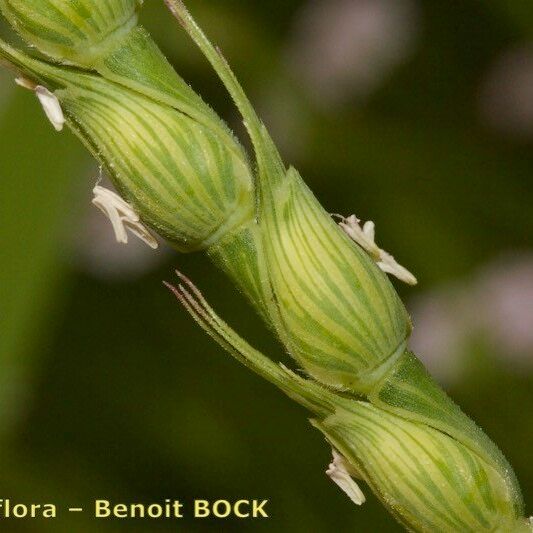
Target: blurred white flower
x,y
505,296
496,306
440,330
507,93
345,48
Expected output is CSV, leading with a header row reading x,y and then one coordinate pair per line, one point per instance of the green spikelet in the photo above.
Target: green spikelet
x,y
73,31
339,313
428,480
186,183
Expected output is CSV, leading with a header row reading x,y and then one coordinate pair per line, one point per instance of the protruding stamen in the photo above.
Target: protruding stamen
x,y
340,473
25,83
48,100
365,236
51,106
122,216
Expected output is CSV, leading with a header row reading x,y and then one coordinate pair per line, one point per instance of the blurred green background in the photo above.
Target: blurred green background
x,y
417,114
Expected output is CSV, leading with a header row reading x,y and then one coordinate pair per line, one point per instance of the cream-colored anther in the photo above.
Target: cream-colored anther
x,y
122,216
